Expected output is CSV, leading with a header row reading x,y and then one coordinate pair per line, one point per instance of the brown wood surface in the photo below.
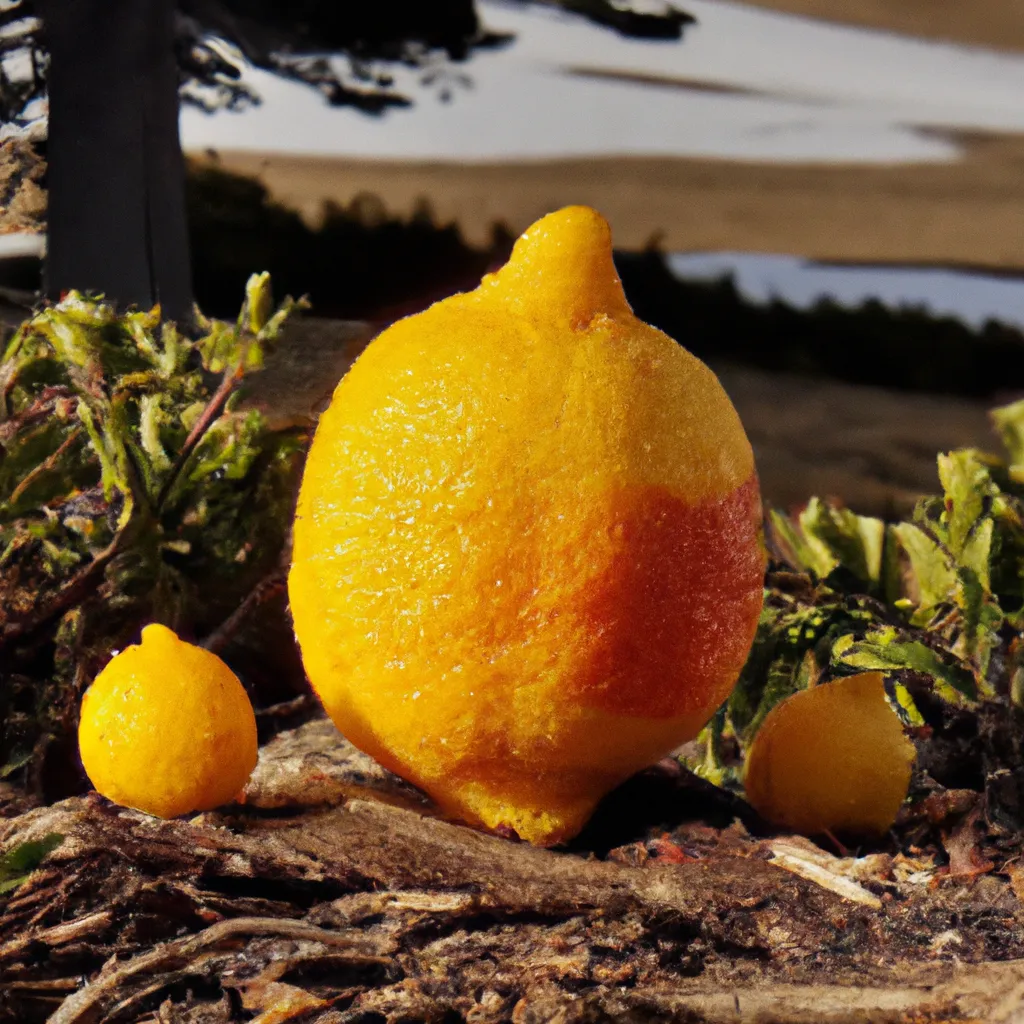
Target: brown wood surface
x,y
335,894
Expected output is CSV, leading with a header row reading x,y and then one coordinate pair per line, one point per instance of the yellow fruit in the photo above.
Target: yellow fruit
x,y
833,758
528,558
167,728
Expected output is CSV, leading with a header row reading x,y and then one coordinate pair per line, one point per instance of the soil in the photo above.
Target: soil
x,y
967,212
870,448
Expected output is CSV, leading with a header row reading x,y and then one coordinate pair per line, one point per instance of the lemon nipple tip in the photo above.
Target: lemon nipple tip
x,y
563,264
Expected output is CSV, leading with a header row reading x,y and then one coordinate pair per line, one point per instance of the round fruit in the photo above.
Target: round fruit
x,y
528,556
833,758
167,728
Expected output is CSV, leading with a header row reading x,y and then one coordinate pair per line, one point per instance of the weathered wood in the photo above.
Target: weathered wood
x,y
335,893
304,369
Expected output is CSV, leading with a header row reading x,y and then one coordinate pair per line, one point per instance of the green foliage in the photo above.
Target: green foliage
x,y
823,538
17,864
887,649
133,488
937,600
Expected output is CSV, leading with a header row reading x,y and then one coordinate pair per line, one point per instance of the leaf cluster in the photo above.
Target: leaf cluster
x,y
134,486
936,602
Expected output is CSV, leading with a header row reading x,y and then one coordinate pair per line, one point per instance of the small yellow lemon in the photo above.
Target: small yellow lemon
x,y
527,557
167,728
832,758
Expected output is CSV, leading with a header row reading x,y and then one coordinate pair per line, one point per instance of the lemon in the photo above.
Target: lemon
x,y
527,552
167,728
832,758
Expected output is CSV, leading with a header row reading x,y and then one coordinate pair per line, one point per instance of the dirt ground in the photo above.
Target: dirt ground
x,y
870,448
335,895
968,212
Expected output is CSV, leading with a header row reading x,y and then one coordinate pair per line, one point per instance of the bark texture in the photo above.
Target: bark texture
x,y
116,174
335,894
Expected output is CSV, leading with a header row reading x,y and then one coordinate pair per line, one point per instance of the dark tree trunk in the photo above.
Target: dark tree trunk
x,y
116,172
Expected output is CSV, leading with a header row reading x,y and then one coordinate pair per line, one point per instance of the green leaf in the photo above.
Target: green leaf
x,y
981,621
824,538
852,541
19,760
976,552
111,466
933,577
259,301
17,864
1009,423
710,766
803,555
905,707
221,348
151,417
883,650
966,483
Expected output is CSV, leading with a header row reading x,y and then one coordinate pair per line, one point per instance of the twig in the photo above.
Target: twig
x,y
270,586
58,934
213,409
171,956
45,466
286,708
41,409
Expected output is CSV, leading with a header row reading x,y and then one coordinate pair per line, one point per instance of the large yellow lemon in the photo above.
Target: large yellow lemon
x,y
528,558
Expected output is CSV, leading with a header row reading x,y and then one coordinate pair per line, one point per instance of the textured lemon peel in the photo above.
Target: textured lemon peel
x,y
481,537
167,728
575,236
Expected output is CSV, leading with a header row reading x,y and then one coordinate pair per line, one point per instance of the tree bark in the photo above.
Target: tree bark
x,y
116,172
336,895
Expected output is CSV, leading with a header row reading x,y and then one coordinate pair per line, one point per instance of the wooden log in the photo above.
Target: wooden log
x,y
337,894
